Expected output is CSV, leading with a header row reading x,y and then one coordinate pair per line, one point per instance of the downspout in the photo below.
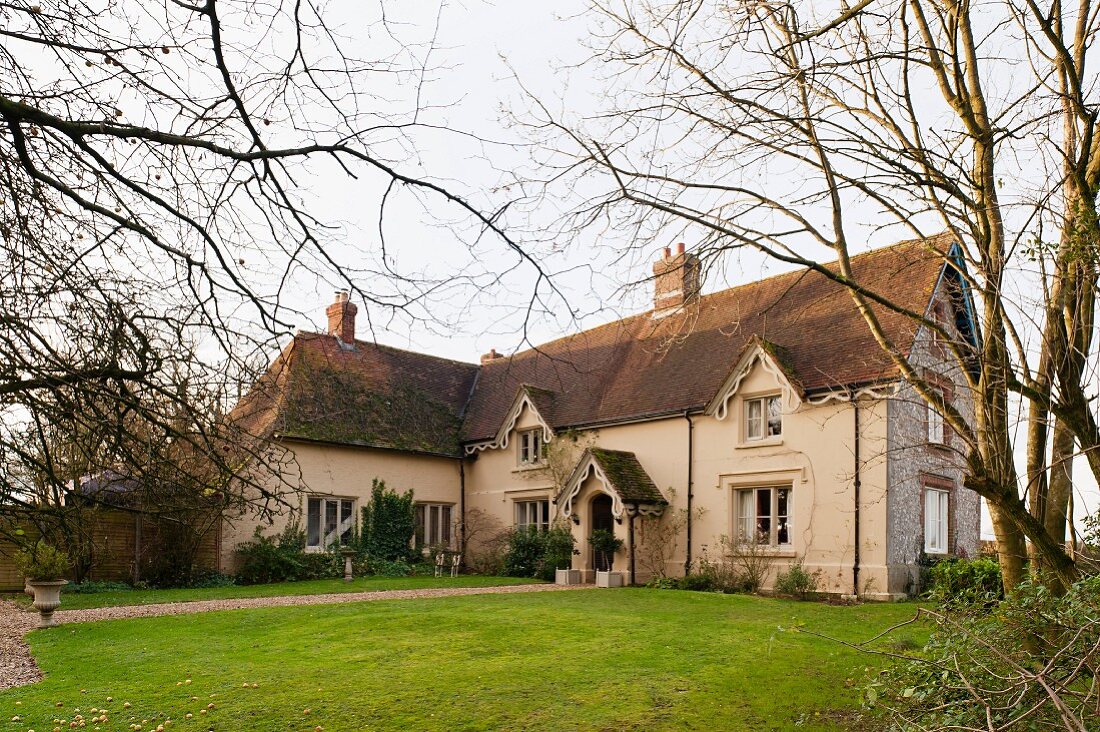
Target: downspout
x,y
462,503
690,485
856,485
632,513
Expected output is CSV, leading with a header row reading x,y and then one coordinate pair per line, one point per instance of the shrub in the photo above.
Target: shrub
x,y
697,581
271,558
604,543
524,556
90,587
751,561
961,583
1028,664
742,567
797,582
386,568
389,523
205,578
42,562
558,551
660,582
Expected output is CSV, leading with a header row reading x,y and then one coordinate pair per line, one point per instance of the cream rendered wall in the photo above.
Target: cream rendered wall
x,y
814,457
494,482
348,472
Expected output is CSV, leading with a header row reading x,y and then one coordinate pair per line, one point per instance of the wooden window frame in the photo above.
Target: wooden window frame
x,y
522,513
436,531
764,401
343,525
524,448
943,485
774,516
946,389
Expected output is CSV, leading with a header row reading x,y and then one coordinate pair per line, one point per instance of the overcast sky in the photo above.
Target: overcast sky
x,y
489,59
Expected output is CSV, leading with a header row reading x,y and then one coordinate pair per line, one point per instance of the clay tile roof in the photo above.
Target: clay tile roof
x,y
627,476
633,368
370,395
641,366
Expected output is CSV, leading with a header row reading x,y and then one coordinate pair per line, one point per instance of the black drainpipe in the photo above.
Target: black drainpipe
x,y
632,513
856,484
462,503
691,464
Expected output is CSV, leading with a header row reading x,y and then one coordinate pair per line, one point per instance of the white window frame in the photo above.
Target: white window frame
x,y
937,433
529,448
937,520
325,537
532,512
747,520
435,525
760,427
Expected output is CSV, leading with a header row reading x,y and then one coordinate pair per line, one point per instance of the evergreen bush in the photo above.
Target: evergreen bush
x,y
965,582
389,522
524,556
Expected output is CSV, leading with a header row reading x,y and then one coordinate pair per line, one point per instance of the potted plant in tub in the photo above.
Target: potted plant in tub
x,y
604,545
44,566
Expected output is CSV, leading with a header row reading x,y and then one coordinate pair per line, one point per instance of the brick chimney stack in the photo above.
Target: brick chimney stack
x,y
492,355
341,318
676,280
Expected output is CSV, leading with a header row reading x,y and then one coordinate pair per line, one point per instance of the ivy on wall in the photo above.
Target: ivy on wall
x,y
389,521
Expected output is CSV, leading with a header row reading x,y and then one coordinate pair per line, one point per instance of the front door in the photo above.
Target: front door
x,y
602,519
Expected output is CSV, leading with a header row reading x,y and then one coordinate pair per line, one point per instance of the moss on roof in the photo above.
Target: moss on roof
x,y
627,476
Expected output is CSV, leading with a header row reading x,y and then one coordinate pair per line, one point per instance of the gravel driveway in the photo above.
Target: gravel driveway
x,y
17,666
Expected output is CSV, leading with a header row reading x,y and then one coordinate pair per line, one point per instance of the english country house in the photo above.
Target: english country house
x,y
763,413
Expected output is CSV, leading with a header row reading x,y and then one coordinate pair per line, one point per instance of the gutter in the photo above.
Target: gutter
x,y
690,485
352,443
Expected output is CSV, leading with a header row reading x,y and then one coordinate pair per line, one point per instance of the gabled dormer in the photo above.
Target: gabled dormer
x,y
761,388
526,425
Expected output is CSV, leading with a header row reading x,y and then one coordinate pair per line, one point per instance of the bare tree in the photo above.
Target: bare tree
x,y
805,133
153,216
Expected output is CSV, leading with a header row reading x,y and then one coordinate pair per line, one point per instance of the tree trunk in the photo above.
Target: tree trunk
x,y
1011,549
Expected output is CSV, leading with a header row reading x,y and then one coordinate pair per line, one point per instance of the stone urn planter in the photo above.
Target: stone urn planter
x,y
43,566
348,555
609,579
47,598
567,576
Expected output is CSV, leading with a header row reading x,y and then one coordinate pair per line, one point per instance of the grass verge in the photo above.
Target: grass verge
x,y
631,659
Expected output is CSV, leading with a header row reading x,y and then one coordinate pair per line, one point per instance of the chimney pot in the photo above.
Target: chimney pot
x,y
492,355
341,318
675,280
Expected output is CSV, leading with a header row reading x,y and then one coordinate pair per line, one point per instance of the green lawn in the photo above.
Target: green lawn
x,y
75,601
631,659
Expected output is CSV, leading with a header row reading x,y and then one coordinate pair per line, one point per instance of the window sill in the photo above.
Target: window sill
x,y
769,442
528,468
772,552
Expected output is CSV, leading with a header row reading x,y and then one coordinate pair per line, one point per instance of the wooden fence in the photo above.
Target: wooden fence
x,y
123,543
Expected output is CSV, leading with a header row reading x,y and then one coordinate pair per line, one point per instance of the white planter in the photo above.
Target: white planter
x,y
609,579
567,577
47,598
